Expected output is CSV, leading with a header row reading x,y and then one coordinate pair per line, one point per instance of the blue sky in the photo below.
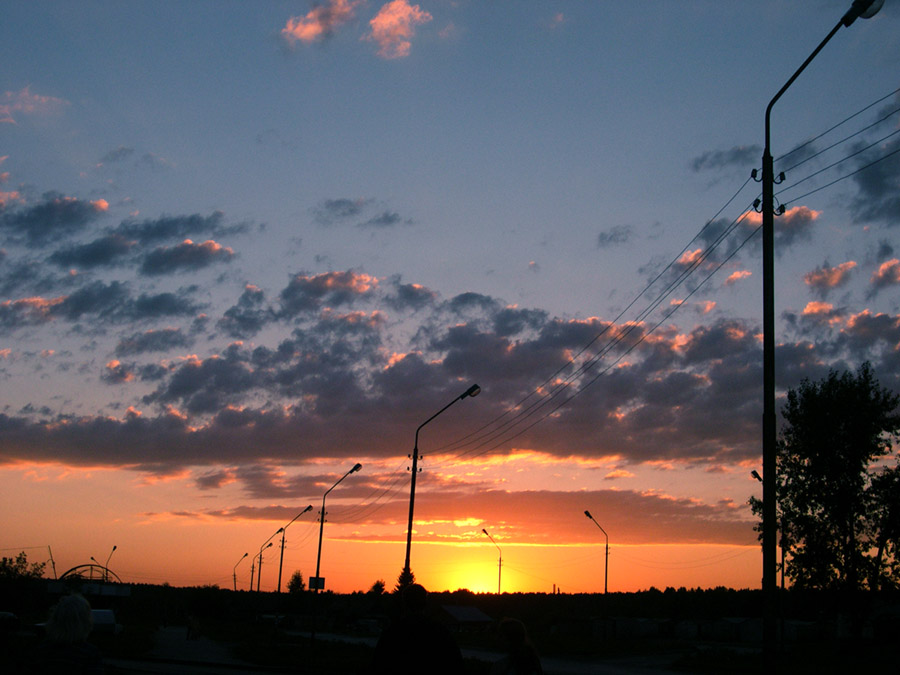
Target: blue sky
x,y
234,257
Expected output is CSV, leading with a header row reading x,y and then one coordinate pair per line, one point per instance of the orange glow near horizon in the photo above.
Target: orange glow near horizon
x,y
167,531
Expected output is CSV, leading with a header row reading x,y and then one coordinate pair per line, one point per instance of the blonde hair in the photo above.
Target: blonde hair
x,y
70,621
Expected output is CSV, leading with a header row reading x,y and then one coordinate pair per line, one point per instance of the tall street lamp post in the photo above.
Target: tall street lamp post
x,y
106,564
499,559
318,582
283,532
266,544
234,571
474,390
606,563
859,8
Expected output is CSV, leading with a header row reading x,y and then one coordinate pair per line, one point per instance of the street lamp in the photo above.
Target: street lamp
x,y
499,559
318,581
106,564
606,562
283,531
860,8
234,571
474,390
266,544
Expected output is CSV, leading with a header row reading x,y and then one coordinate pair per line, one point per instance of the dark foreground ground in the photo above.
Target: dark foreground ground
x,y
257,650
716,632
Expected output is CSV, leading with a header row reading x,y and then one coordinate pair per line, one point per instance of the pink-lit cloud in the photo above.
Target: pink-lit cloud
x,y
14,104
735,277
887,274
320,22
825,278
394,26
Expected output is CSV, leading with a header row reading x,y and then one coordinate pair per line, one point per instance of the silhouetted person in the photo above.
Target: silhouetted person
x,y
521,657
65,649
416,644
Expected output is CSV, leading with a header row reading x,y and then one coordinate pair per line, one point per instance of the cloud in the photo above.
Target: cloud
x,y
116,372
105,251
824,279
153,340
53,217
185,256
337,211
22,103
739,155
737,276
886,276
177,227
250,314
879,185
792,226
393,27
308,293
320,22
385,219
333,210
619,234
118,154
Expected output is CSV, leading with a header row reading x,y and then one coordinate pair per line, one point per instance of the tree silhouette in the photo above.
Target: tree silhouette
x,y
837,500
405,579
296,583
20,568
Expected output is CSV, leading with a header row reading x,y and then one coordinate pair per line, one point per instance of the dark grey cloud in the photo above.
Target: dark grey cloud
x,y
409,297
249,316
512,321
97,298
383,220
878,185
332,211
344,210
186,256
739,155
619,234
116,372
214,479
156,340
465,302
117,155
53,217
794,226
177,227
104,251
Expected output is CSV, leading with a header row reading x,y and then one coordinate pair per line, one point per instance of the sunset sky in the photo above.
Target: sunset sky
x,y
245,245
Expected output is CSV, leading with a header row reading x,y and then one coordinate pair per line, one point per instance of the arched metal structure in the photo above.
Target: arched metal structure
x,y
90,572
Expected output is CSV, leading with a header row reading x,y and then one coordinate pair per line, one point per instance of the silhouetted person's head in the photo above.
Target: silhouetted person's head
x,y
413,597
70,621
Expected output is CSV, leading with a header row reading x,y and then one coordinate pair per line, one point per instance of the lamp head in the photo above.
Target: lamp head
x,y
308,508
862,8
115,547
356,468
474,390
485,531
756,475
588,514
